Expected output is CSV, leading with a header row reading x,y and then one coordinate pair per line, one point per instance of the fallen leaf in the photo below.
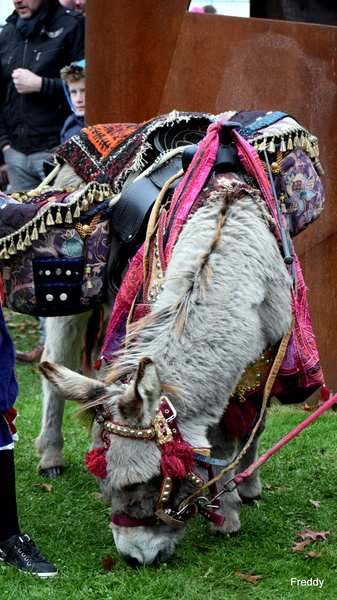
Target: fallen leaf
x,y
300,545
201,547
248,576
267,486
308,407
313,554
48,486
312,534
315,503
108,562
96,495
280,489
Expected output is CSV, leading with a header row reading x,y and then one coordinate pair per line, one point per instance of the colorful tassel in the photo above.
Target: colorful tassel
x,y
12,248
59,219
262,146
177,459
68,217
42,228
77,212
50,221
271,146
27,240
98,364
324,393
95,461
35,233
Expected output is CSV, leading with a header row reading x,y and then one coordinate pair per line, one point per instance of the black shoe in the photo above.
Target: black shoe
x,y
21,552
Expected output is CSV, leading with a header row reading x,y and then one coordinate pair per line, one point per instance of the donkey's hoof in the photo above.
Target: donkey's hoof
x,y
51,473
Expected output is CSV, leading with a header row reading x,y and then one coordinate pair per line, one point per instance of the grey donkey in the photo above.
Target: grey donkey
x,y
226,298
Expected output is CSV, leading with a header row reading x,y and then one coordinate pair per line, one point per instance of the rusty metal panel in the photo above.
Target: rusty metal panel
x,y
227,63
129,47
319,267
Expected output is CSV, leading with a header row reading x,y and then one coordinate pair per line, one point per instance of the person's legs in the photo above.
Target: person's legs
x,y
9,524
19,174
36,161
17,549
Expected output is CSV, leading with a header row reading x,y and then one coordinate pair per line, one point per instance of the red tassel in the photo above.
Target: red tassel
x,y
96,462
98,364
324,393
177,459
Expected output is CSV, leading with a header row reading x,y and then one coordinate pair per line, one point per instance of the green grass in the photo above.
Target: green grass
x,y
71,526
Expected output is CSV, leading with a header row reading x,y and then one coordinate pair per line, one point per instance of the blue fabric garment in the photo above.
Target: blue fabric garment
x,y
73,124
8,383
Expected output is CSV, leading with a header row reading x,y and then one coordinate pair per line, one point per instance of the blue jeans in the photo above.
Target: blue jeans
x,y
25,171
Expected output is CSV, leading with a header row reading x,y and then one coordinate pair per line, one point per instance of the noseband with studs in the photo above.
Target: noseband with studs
x,y
164,429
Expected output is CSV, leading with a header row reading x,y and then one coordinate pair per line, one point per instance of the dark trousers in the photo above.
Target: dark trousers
x,y
9,524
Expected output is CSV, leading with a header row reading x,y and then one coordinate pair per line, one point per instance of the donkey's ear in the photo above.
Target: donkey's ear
x,y
142,399
72,385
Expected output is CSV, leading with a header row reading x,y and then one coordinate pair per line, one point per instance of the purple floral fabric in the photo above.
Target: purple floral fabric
x,y
304,194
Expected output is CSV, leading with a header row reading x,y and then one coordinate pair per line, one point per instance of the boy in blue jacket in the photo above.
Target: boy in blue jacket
x,y
73,79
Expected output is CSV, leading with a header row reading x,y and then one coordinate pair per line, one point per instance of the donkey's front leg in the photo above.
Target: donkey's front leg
x,y
251,488
64,337
230,503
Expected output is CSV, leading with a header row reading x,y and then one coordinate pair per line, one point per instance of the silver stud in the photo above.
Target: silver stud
x,y
132,431
197,481
58,271
158,265
40,272
167,487
140,433
258,375
162,287
160,275
125,430
267,361
68,272
47,272
156,253
149,431
63,297
50,297
165,493
164,499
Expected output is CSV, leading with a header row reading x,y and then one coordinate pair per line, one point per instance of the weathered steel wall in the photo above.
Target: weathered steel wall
x,y
156,57
129,48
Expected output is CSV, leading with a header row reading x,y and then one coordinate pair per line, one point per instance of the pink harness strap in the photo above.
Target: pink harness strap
x,y
241,477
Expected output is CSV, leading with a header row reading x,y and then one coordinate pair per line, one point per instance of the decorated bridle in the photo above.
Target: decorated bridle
x,y
178,461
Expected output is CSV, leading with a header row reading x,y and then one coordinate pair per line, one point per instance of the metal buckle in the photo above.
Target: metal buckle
x,y
174,412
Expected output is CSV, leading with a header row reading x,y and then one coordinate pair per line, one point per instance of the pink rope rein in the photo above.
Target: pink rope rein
x,y
238,479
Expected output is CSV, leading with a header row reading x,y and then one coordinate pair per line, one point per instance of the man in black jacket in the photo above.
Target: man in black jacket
x,y
40,37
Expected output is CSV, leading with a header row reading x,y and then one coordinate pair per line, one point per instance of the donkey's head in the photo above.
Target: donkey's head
x,y
130,435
